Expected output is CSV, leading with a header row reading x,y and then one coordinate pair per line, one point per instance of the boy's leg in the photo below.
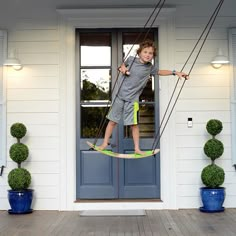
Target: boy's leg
x,y
114,116
135,133
110,126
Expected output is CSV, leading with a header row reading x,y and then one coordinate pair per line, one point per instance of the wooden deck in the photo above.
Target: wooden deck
x,y
155,223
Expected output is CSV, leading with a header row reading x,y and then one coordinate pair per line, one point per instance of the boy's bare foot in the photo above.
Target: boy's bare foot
x,y
138,151
102,147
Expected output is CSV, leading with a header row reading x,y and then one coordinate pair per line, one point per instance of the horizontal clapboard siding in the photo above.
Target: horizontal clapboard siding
x,y
33,99
205,96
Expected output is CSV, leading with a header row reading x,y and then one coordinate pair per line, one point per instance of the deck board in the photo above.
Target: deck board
x,y
189,222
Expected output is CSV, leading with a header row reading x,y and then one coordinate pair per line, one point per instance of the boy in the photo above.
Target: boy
x,y
136,73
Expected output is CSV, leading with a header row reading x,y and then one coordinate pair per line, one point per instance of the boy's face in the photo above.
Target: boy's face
x,y
146,55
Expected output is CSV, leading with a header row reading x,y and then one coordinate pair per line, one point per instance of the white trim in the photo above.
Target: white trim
x,y
3,34
111,18
232,94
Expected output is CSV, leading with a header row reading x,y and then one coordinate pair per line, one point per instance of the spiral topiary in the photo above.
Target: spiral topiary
x,y
19,178
212,175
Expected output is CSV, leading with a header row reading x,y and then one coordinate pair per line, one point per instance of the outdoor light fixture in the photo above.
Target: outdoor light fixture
x,y
219,59
13,61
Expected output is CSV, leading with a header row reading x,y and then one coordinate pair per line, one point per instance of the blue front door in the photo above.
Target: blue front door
x,y
99,53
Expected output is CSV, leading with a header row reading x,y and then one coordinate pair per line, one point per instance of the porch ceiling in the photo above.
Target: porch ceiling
x,y
12,10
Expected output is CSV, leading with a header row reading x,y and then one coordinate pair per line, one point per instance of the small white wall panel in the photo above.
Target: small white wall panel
x,y
203,105
36,82
33,118
32,94
202,116
33,35
35,47
33,106
194,33
210,45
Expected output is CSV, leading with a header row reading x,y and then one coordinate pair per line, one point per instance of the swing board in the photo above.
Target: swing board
x,y
123,155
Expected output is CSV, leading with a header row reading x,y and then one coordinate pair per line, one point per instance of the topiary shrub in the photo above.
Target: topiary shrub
x,y
214,127
19,178
213,176
19,152
213,148
18,130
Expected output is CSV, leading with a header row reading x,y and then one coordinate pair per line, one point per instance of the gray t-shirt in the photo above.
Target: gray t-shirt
x,y
134,84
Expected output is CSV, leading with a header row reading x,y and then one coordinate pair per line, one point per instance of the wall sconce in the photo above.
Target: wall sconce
x,y
219,59
13,61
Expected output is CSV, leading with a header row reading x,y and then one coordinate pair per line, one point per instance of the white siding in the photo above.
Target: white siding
x,y
232,47
33,99
205,96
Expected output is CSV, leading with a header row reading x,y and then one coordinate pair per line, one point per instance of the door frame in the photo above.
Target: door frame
x,y
69,20
118,187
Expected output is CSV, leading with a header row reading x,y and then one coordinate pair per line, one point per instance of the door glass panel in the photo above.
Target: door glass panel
x,y
91,56
91,117
95,81
95,84
95,49
146,122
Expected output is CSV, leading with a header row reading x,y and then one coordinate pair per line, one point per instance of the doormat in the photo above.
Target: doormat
x,y
113,213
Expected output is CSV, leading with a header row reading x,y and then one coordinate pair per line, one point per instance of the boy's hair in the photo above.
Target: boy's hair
x,y
146,44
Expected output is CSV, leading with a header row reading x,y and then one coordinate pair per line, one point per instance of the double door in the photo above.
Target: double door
x,y
98,55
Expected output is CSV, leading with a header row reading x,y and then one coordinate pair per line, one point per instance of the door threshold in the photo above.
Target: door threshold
x,y
113,213
116,200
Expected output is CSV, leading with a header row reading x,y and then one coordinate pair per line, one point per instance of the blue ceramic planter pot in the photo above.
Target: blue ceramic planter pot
x,y
212,199
20,201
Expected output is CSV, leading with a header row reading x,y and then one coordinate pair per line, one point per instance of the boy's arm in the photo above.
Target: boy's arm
x,y
123,69
172,72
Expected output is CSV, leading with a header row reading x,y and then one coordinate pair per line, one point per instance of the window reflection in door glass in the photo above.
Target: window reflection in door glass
x,y
146,122
91,117
95,80
95,49
95,56
95,84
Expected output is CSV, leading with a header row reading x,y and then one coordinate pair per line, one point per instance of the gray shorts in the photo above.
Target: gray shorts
x,y
129,111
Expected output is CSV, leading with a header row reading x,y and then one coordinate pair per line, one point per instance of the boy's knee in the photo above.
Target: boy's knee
x,y
112,123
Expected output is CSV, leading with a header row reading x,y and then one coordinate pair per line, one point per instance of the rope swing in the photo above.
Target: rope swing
x,y
172,102
151,20
205,32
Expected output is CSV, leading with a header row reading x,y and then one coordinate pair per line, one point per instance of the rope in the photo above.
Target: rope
x,y
212,18
103,121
